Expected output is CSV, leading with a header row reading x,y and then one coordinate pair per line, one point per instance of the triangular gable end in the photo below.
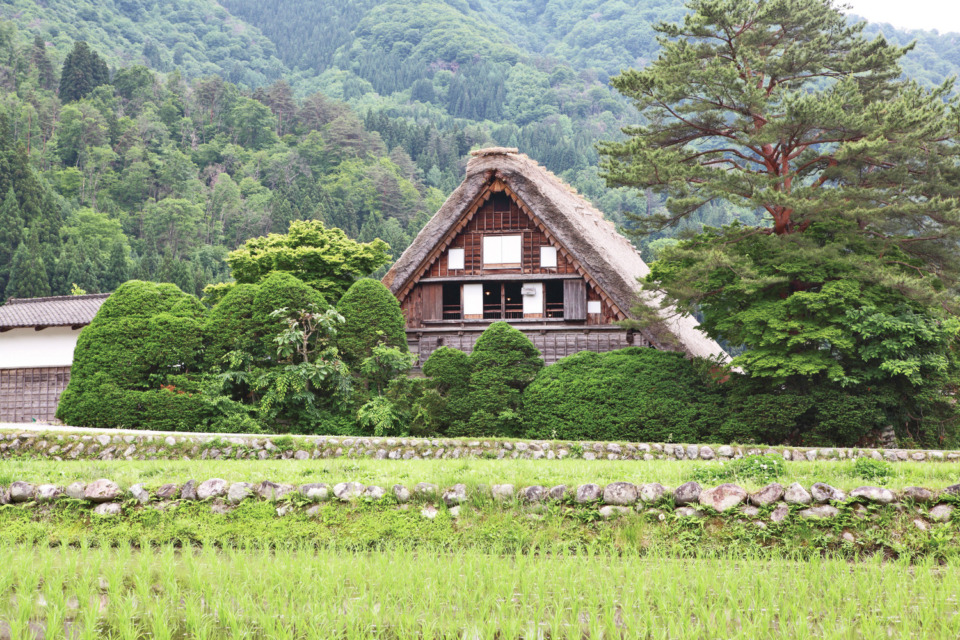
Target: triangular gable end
x,y
494,186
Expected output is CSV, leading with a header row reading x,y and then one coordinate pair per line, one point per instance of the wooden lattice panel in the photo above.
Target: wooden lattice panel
x,y
28,395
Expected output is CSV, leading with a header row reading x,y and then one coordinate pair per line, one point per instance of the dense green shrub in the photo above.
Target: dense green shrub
x,y
229,326
143,333
481,394
872,470
279,290
372,316
823,415
637,394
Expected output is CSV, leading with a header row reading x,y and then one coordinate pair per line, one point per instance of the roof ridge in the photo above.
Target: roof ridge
x,y
86,296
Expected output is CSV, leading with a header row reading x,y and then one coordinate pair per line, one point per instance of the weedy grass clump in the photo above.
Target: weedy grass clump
x,y
758,468
878,471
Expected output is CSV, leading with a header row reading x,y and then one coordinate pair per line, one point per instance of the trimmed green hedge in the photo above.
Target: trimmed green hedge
x,y
142,334
637,394
371,315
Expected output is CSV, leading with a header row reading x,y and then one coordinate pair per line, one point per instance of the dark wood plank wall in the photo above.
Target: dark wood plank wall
x,y
499,215
553,345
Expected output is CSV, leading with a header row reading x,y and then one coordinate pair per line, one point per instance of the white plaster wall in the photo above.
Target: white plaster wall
x,y
26,348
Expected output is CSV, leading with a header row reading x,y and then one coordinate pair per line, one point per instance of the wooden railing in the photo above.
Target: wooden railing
x,y
555,310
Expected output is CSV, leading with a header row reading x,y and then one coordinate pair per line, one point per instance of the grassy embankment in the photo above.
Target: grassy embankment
x,y
211,593
472,472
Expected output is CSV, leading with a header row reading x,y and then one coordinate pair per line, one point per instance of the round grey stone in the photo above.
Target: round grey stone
x,y
502,492
189,490
820,512
533,494
457,494
347,491
316,491
140,494
48,492
620,493
796,494
401,493
610,511
768,495
373,492
941,513
22,491
918,495
879,495
726,496
75,490
652,492
239,491
212,488
687,493
102,491
107,509
425,490
557,493
825,493
588,493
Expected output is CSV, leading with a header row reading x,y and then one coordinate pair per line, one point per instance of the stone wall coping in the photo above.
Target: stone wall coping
x,y
107,445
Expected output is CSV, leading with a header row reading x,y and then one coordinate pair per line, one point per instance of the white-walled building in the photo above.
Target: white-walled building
x,y
37,339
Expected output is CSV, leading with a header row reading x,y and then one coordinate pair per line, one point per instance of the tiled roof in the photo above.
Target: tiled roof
x,y
56,311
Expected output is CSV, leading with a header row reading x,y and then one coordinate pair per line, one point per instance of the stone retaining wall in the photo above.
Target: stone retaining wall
x,y
771,504
152,447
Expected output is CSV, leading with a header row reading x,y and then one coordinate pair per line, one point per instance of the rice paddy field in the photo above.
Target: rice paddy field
x,y
379,571
166,592
472,472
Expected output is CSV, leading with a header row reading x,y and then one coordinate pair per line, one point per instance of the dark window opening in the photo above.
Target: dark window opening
x,y
513,300
553,296
492,301
451,302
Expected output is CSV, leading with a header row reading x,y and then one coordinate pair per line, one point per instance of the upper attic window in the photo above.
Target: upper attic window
x,y
455,258
548,257
502,250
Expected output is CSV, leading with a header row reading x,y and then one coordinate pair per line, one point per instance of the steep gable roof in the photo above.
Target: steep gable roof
x,y
55,311
602,255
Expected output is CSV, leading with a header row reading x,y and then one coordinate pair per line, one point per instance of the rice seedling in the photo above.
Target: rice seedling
x,y
399,593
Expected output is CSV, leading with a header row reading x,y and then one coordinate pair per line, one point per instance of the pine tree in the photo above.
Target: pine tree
x,y
83,71
46,76
118,270
11,235
782,106
28,277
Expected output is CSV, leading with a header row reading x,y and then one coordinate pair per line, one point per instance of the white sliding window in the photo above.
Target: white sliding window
x,y
502,249
548,257
455,259
473,300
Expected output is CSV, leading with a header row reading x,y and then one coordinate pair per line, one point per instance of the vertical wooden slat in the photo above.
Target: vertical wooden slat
x,y
574,300
432,294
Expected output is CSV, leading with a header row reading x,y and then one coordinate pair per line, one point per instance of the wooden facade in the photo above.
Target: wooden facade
x,y
437,302
514,243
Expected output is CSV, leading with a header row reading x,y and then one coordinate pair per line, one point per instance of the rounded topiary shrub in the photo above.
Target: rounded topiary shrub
x,y
371,315
636,394
280,290
229,326
142,333
503,362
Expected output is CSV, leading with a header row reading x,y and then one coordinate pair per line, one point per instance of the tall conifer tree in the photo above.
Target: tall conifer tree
x,y
83,71
28,277
11,235
783,107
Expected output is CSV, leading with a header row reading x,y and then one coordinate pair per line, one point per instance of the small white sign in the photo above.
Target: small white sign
x,y
593,306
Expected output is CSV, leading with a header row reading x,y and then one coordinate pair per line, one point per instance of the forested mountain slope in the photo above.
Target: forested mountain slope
x,y
224,120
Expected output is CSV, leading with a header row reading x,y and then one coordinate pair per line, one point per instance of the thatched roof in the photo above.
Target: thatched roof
x,y
53,311
603,256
